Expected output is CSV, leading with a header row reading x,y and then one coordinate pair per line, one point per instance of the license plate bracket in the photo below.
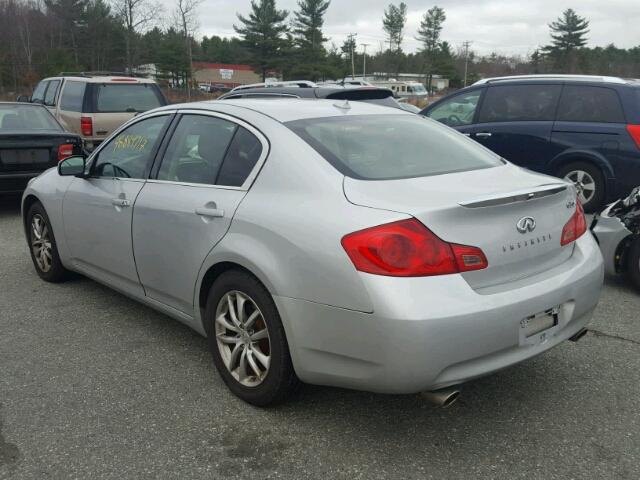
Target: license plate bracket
x,y
535,324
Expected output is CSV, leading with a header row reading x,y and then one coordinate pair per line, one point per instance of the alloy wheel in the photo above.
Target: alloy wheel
x,y
41,243
585,184
243,338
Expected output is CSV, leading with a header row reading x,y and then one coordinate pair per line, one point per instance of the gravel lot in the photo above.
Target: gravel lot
x,y
94,385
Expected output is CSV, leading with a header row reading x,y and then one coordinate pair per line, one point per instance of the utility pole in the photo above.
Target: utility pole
x,y
466,45
352,42
364,60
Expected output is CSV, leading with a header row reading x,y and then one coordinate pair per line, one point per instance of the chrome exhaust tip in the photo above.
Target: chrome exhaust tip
x,y
443,398
577,336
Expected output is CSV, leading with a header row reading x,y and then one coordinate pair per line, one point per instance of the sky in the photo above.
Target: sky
x,y
501,26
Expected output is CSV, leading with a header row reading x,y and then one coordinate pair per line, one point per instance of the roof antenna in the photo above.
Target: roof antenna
x,y
343,106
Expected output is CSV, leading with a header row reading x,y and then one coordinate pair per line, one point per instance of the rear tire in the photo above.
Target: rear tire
x,y
43,246
633,262
238,309
589,181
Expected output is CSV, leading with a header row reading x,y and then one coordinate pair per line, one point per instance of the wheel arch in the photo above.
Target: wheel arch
x,y
586,156
27,203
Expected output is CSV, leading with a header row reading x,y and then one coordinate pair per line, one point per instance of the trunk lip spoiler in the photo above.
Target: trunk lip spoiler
x,y
518,196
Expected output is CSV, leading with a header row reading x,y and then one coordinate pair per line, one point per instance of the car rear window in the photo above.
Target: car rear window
x,y
113,97
385,147
26,118
590,104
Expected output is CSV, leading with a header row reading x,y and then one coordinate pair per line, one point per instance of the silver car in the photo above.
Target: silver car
x,y
338,244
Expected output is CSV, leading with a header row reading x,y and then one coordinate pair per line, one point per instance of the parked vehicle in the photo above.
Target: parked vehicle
x,y
403,89
347,245
31,141
617,230
583,128
93,105
380,96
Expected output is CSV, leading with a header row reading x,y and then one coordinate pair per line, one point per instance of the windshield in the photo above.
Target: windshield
x,y
385,147
112,97
26,117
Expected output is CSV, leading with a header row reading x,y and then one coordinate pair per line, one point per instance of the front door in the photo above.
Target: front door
x,y
187,209
98,210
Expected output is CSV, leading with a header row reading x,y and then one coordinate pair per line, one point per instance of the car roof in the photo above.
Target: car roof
x,y
25,104
291,109
565,78
321,91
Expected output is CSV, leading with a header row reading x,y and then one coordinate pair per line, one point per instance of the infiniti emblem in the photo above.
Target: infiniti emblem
x,y
526,224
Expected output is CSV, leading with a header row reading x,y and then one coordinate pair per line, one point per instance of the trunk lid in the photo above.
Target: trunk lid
x,y
483,208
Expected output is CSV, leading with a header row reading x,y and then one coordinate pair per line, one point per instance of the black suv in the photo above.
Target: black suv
x,y
585,129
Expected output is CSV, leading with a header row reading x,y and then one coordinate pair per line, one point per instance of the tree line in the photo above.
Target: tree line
x,y
44,37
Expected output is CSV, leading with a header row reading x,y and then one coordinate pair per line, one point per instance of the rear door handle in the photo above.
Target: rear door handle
x,y
209,212
483,134
120,202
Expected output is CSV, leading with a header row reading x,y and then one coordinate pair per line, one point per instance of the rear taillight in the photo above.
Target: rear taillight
x,y
409,249
575,227
86,126
65,151
634,131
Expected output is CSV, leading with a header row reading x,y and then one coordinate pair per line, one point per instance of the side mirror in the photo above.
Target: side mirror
x,y
72,166
23,99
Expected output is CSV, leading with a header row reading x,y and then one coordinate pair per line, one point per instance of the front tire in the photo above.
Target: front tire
x,y
633,263
43,246
247,340
589,182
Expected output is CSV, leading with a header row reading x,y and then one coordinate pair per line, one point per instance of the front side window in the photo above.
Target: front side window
x,y
385,147
590,104
128,154
50,96
72,96
458,110
197,149
38,93
520,103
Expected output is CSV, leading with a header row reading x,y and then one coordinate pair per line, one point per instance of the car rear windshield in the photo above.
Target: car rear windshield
x,y
26,118
114,97
385,147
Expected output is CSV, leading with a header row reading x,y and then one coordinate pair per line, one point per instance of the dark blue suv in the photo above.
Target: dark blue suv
x,y
582,128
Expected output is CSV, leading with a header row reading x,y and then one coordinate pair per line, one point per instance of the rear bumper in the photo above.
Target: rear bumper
x,y
432,332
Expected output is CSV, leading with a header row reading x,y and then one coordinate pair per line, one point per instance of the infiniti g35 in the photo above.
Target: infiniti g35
x,y
319,241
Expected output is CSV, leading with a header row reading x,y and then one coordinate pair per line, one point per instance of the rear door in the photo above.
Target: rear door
x,y
70,105
515,121
186,209
98,210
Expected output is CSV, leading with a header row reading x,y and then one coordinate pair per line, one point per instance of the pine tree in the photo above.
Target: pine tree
x,y
393,22
308,38
262,32
568,32
429,35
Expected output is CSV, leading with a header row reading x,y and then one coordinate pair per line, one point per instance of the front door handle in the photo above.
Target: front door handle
x,y
120,202
209,212
483,134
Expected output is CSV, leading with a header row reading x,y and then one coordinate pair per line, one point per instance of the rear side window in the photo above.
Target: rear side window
x,y
72,96
590,104
520,103
243,154
52,90
197,149
113,97
385,147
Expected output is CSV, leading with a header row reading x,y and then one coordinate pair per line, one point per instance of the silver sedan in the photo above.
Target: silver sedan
x,y
339,244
